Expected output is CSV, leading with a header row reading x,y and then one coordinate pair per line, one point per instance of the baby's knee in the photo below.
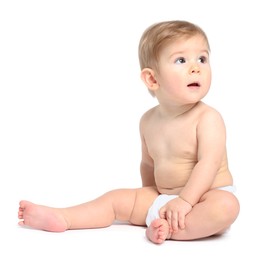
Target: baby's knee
x,y
228,207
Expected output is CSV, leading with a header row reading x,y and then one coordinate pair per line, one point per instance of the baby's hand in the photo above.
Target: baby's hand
x,y
175,212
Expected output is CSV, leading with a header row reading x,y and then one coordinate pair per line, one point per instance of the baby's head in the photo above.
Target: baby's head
x,y
159,35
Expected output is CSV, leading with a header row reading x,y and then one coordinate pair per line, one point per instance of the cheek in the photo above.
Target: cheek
x,y
177,79
172,79
171,82
208,78
209,74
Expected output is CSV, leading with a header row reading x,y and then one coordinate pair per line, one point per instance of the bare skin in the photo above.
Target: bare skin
x,y
183,153
42,217
219,207
200,222
122,204
158,231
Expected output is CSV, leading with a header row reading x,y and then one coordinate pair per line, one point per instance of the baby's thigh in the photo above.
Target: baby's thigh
x,y
144,199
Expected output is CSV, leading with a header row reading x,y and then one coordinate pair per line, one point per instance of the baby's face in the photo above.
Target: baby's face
x,y
184,70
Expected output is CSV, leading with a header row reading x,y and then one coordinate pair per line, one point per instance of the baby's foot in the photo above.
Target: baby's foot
x,y
41,217
158,231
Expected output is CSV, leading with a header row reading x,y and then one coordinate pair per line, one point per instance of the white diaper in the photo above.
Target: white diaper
x,y
162,199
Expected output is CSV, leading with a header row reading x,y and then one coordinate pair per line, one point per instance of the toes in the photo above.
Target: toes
x,y
21,223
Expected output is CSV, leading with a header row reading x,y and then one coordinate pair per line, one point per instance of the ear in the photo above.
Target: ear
x,y
148,77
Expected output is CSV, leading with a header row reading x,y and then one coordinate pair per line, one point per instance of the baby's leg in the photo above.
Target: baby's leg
x,y
42,217
122,204
158,231
215,212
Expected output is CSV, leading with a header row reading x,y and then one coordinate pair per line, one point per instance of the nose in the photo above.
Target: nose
x,y
194,69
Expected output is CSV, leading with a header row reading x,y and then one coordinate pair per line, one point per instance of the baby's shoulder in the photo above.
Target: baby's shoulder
x,y
209,115
148,114
148,118
205,110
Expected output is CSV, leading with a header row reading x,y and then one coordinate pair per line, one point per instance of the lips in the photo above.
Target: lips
x,y
194,84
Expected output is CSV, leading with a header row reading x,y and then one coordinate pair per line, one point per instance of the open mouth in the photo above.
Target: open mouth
x,y
194,84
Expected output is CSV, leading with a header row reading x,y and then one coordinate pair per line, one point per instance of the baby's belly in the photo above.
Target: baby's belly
x,y
171,178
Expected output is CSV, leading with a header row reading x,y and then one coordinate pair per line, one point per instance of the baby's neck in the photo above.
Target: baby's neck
x,y
174,111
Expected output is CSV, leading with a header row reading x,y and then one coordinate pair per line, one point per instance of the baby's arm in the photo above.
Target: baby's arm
x,y
211,136
146,165
211,139
147,175
146,168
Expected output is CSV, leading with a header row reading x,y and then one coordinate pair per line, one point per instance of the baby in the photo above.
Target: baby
x,y
187,187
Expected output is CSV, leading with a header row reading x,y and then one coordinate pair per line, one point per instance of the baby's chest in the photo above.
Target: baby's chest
x,y
173,143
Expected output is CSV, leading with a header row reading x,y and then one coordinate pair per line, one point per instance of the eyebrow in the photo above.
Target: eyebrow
x,y
182,52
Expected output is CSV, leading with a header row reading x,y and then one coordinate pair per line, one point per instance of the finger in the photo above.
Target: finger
x,y
162,213
181,222
175,222
169,219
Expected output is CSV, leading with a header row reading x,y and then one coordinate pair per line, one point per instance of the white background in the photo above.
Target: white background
x,y
70,103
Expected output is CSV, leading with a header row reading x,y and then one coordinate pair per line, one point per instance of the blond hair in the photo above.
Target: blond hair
x,y
158,35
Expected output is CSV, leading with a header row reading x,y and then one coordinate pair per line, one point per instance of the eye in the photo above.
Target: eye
x,y
180,60
203,59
